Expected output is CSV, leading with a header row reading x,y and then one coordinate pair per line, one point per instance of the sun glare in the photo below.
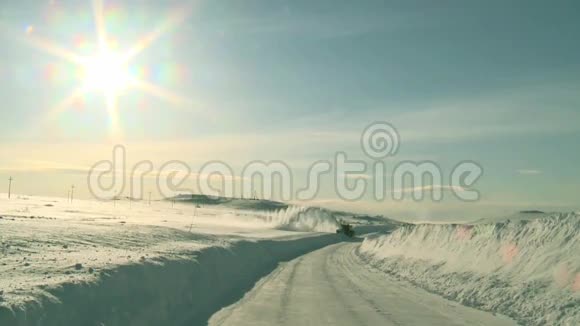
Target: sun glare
x,y
108,72
105,72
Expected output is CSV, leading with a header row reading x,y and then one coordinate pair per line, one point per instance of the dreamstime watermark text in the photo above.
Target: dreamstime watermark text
x,y
352,179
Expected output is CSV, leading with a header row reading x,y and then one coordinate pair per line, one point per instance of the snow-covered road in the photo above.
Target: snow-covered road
x,y
333,286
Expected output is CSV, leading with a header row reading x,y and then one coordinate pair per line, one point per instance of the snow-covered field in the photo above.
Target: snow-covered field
x,y
186,263
128,263
526,267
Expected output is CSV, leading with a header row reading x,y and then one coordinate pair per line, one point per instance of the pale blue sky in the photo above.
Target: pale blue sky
x,y
492,81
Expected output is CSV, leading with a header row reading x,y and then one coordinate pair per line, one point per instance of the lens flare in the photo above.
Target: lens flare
x,y
509,252
106,71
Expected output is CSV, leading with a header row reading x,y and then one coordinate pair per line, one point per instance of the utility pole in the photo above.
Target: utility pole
x,y
9,186
72,193
192,218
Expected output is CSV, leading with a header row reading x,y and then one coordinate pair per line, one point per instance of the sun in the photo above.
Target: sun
x,y
105,72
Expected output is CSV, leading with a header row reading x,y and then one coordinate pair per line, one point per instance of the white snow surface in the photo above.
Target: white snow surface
x,y
67,263
525,267
178,263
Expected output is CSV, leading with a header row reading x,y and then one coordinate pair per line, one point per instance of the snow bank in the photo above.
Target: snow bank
x,y
528,269
163,291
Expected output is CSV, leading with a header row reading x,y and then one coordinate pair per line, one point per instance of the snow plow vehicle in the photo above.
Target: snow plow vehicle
x,y
346,229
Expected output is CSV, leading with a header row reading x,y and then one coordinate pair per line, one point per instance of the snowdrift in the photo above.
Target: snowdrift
x,y
165,291
525,268
303,219
300,219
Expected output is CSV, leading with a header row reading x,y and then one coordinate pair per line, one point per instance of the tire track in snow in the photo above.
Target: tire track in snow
x,y
346,265
286,295
353,313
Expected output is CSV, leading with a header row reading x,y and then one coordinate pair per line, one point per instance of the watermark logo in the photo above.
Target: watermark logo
x,y
380,140
352,179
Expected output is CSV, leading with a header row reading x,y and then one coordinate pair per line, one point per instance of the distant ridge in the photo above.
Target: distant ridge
x,y
239,203
271,205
